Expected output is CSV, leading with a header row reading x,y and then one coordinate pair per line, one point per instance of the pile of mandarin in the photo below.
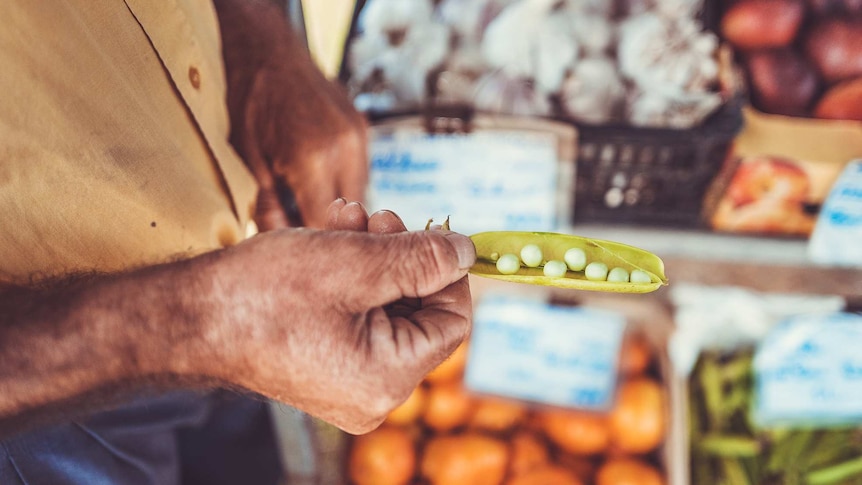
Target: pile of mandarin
x,y
443,435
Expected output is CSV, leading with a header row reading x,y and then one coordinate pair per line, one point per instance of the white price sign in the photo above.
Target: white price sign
x,y
808,371
530,350
485,180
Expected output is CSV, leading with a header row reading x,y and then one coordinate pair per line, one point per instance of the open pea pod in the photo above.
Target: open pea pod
x,y
491,245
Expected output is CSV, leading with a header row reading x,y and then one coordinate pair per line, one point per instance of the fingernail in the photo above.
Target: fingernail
x,y
465,249
394,214
341,199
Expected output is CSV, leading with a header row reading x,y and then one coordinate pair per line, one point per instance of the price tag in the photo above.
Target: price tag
x,y
529,350
494,180
808,371
837,235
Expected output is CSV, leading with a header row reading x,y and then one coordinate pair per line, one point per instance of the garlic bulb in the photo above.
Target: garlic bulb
x,y
593,92
601,8
666,55
510,40
498,92
457,79
677,9
594,33
555,51
404,66
387,16
681,111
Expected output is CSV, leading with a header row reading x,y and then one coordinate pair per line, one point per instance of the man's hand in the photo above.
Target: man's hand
x,y
342,324
296,130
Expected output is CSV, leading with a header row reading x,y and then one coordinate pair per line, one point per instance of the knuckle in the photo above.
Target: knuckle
x,y
423,260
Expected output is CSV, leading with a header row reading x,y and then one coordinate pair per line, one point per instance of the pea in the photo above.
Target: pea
x,y
633,270
576,259
640,277
555,269
531,255
596,271
618,275
508,264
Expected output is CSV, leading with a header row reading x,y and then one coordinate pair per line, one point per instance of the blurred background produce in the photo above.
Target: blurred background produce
x,y
444,435
642,63
802,58
729,448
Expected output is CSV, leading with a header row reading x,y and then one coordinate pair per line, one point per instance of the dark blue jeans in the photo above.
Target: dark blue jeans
x,y
180,438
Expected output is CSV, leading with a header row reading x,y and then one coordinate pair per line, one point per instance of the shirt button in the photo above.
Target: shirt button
x,y
195,77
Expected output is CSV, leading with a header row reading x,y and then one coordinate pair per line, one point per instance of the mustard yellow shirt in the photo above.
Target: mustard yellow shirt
x,y
114,137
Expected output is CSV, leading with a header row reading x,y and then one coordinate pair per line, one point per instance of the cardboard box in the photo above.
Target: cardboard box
x,y
778,173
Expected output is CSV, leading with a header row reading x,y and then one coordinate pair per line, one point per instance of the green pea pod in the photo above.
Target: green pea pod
x,y
490,245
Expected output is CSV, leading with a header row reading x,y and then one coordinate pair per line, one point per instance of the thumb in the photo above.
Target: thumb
x,y
419,264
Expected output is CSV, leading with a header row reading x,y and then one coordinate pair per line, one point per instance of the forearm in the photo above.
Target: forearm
x,y
73,347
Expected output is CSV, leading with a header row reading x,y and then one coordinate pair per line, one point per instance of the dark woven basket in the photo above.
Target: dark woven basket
x,y
651,176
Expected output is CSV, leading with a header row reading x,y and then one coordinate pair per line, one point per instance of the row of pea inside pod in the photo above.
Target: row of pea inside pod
x,y
575,259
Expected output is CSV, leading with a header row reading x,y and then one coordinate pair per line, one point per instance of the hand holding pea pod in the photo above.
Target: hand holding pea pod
x,y
565,261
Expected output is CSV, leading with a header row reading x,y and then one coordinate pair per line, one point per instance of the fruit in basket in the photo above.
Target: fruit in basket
x,y
842,102
385,456
410,410
448,407
467,459
834,46
628,471
497,415
782,81
452,368
768,178
546,475
637,421
832,7
528,451
754,24
576,432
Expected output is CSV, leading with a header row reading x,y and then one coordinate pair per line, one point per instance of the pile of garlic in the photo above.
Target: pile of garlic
x,y
639,62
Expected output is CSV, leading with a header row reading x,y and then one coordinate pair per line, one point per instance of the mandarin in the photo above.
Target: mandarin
x,y
452,368
637,421
447,407
385,456
468,459
410,410
497,415
528,452
546,475
635,355
628,471
577,432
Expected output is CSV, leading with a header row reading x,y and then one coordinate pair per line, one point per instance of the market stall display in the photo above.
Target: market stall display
x,y
445,435
652,93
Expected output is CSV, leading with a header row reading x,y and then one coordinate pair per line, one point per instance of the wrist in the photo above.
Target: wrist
x,y
171,334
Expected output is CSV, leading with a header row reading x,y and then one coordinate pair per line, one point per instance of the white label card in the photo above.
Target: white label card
x,y
808,371
486,181
837,237
530,350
